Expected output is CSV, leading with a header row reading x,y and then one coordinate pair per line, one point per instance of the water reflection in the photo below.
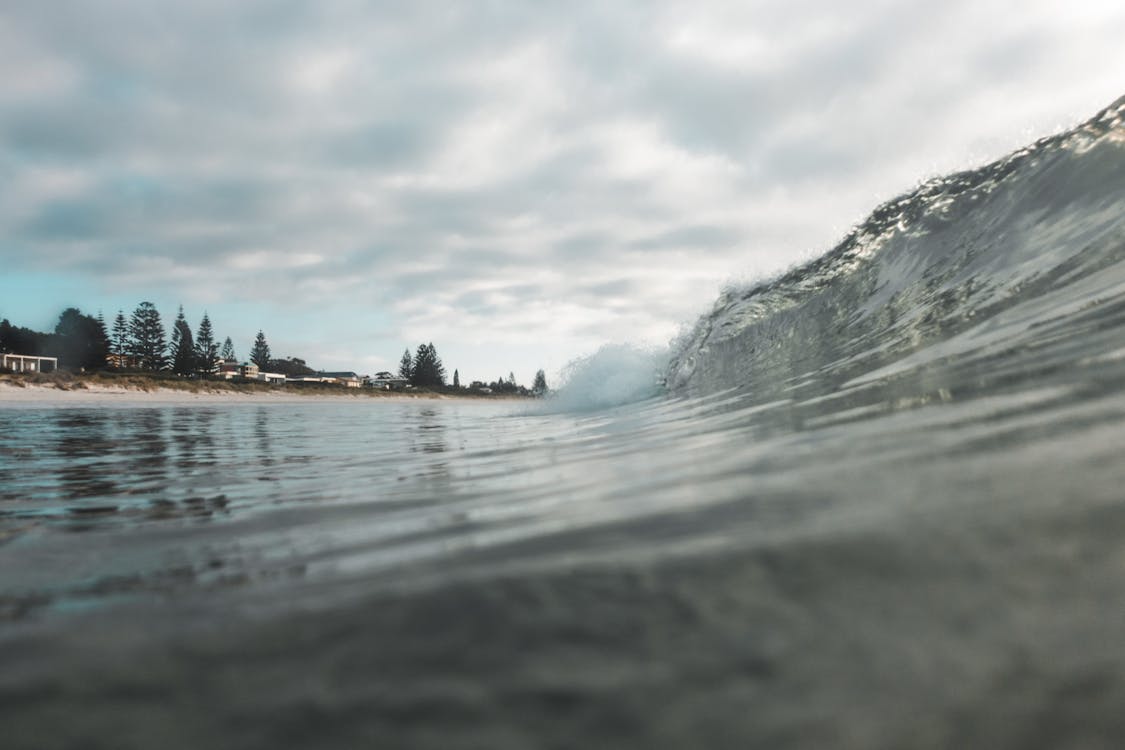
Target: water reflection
x,y
426,432
262,438
83,445
145,447
430,434
192,438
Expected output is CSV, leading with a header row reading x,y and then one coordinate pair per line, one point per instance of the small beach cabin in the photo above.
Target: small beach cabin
x,y
28,363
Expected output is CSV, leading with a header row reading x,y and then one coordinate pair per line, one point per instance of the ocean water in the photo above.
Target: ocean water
x,y
878,502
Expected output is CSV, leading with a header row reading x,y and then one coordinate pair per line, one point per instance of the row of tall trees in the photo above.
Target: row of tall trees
x,y
135,342
139,342
79,341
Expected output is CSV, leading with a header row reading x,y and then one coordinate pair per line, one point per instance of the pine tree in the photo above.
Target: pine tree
x,y
206,350
120,338
146,337
456,379
180,347
406,366
99,354
428,370
228,351
539,386
260,354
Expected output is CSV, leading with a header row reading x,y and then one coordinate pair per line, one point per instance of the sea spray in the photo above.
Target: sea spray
x,y
614,375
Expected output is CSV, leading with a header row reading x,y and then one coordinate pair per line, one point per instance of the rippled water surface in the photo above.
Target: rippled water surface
x,y
712,571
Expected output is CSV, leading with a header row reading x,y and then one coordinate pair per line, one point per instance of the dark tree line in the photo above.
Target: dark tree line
x,y
507,385
136,342
291,366
19,340
79,341
139,343
424,369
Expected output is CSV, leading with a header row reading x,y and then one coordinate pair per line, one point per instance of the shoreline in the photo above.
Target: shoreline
x,y
78,391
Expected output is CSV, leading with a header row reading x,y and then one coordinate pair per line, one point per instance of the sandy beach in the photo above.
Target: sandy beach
x,y
79,393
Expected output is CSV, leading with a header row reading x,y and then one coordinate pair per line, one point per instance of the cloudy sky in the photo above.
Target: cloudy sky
x,y
518,182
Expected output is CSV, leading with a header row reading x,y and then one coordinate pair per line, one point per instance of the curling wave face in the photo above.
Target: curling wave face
x,y
1005,263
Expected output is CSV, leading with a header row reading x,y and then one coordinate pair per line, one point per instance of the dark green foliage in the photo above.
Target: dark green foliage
x,y
119,343
228,351
406,366
206,350
539,386
507,385
146,338
260,354
180,347
427,370
17,340
291,366
80,341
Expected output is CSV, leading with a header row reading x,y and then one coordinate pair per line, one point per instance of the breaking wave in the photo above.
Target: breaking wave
x,y
990,263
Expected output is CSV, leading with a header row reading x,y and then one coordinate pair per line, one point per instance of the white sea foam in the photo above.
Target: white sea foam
x,y
614,375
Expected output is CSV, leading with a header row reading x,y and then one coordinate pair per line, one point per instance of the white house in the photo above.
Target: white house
x,y
228,369
28,363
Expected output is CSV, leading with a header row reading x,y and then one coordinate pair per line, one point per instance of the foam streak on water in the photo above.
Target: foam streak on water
x,y
879,506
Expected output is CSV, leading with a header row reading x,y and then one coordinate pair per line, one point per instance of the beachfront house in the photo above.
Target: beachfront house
x,y
387,381
346,379
28,363
122,361
228,369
